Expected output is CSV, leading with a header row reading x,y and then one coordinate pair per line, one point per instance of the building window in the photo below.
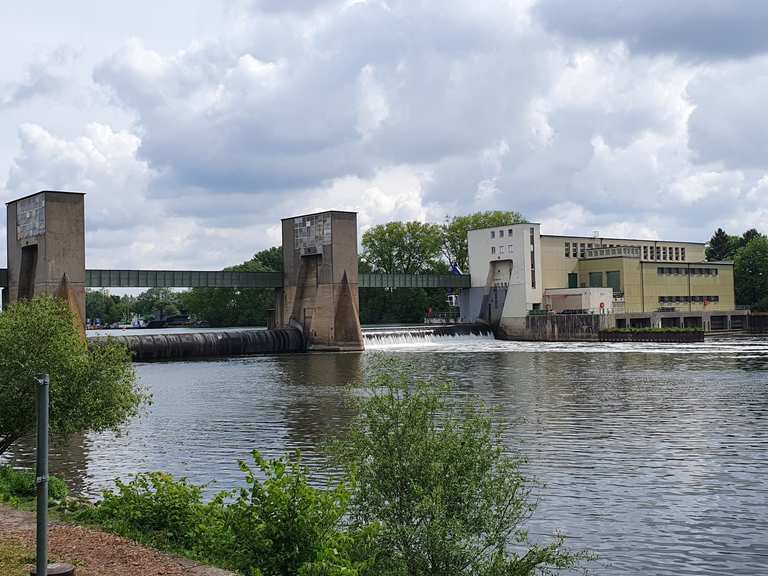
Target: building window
x,y
682,254
493,234
501,249
677,253
567,249
595,279
573,280
501,233
493,249
658,252
582,250
613,280
509,249
664,253
645,252
509,232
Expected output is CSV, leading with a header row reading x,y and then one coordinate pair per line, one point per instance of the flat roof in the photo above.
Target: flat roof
x,y
46,192
317,213
504,226
621,239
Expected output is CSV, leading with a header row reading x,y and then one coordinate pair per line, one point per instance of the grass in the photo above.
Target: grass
x,y
14,558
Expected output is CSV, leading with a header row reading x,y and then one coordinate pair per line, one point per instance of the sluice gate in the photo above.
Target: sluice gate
x,y
209,344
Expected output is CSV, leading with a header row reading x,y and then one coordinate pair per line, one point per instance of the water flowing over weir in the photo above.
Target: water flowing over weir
x,y
208,344
418,336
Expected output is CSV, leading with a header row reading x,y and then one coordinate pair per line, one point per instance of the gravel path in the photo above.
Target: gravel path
x,y
97,553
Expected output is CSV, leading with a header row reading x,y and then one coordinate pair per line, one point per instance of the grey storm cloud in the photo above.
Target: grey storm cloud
x,y
696,28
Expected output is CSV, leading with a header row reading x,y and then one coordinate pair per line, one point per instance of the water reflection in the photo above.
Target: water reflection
x,y
654,456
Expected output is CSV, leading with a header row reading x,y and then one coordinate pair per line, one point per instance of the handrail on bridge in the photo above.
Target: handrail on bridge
x,y
100,278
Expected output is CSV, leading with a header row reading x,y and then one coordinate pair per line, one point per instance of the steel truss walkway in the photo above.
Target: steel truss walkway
x,y
222,279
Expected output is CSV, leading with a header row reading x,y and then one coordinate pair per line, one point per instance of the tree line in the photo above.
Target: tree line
x,y
749,253
395,247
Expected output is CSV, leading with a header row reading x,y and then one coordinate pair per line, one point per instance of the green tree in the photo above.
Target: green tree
x,y
748,236
234,306
157,303
108,308
454,232
402,247
91,388
432,474
751,272
721,246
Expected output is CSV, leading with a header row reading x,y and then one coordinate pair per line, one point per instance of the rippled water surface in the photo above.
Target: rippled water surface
x,y
654,456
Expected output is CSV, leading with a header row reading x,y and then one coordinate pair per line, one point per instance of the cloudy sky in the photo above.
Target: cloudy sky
x,y
195,125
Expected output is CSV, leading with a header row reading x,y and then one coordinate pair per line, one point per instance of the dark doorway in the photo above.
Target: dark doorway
x,y
27,272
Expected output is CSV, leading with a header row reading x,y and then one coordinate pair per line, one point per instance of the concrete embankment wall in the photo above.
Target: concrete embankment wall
x,y
208,344
554,327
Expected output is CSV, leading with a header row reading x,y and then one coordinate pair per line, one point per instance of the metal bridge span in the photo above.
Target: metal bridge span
x,y
222,279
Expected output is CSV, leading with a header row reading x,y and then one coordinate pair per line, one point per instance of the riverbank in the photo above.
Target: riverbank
x,y
92,552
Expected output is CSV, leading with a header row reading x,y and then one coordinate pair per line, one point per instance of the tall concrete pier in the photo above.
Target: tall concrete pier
x,y
46,248
320,286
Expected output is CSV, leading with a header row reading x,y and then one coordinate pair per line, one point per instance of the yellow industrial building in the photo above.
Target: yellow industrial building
x,y
645,275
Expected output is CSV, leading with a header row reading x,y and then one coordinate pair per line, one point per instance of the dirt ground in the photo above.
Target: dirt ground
x,y
97,553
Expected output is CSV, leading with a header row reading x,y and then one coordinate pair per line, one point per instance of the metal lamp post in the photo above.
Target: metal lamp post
x,y
41,566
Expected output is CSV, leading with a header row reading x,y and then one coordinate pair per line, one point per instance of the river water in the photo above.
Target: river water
x,y
653,456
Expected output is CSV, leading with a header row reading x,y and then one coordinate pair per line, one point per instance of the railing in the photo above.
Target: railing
x,y
221,279
615,251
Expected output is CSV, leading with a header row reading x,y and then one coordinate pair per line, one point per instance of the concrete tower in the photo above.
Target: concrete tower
x,y
46,248
320,293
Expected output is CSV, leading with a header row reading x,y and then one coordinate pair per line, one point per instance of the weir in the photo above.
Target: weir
x,y
149,347
418,335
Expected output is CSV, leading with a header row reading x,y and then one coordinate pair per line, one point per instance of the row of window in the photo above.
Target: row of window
x,y
579,250
501,233
687,299
501,249
686,271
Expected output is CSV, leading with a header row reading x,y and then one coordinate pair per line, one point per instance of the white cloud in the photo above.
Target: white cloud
x,y
399,110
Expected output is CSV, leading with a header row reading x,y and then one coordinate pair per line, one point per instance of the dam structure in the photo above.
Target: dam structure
x,y
522,285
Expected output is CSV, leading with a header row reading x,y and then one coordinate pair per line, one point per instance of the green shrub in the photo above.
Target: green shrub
x,y
20,484
282,525
90,389
152,508
277,526
432,473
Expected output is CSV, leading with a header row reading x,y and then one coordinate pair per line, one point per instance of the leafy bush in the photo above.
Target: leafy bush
x,y
277,526
431,472
152,508
91,389
21,484
282,525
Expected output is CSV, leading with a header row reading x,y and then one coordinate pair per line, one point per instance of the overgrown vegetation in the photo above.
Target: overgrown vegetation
x,y
19,485
91,389
426,489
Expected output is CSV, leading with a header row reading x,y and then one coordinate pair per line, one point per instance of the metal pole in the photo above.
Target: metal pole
x,y
42,474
